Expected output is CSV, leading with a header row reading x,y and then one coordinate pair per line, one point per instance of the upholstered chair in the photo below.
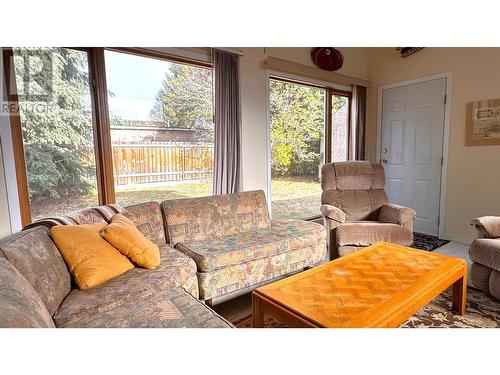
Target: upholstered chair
x,y
485,255
355,210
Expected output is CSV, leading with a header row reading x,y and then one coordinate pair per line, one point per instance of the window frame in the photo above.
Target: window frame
x,y
16,131
347,94
100,119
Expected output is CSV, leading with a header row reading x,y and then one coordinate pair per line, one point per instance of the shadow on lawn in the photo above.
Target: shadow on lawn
x,y
58,206
291,199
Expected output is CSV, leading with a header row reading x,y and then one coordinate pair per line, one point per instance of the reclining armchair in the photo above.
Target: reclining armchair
x,y
485,255
355,209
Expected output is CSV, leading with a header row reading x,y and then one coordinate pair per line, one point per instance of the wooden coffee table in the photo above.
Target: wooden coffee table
x,y
380,286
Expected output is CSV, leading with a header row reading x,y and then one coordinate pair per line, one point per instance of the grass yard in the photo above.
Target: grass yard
x,y
295,198
292,197
161,192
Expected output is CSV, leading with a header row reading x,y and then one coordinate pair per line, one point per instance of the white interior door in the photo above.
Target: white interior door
x,y
412,148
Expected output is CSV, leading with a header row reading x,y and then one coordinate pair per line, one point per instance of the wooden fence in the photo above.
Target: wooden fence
x,y
161,162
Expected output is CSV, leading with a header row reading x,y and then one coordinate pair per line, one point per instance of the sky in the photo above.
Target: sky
x,y
134,81
134,77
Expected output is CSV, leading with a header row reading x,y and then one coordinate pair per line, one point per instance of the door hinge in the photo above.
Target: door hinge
x,y
445,98
442,161
439,219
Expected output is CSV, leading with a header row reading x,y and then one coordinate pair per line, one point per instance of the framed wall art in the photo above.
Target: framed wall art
x,y
482,126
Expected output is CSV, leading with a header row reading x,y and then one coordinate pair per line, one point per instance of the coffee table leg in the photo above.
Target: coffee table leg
x,y
459,304
257,313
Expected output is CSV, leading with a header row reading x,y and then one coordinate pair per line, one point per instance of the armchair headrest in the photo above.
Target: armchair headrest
x,y
352,175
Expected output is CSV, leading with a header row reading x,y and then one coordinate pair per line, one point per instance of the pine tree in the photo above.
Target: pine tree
x,y
185,98
58,136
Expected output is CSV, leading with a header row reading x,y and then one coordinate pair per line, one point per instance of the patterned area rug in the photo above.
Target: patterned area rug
x,y
483,311
425,242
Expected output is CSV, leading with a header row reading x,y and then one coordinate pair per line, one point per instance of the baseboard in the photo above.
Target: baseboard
x,y
460,240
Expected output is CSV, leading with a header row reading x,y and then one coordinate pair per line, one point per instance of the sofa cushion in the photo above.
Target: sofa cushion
x,y
247,276
365,233
170,308
198,219
91,260
126,238
486,251
176,269
148,220
20,305
34,254
281,237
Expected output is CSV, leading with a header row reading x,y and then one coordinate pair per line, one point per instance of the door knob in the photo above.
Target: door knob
x,y
384,160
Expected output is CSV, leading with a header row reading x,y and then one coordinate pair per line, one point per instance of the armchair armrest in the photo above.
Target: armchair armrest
x,y
396,214
487,226
333,213
333,217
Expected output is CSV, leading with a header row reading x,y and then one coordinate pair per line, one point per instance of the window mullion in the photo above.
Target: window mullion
x,y
102,139
328,130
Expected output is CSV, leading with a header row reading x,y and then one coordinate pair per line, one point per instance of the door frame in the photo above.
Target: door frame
x,y
446,133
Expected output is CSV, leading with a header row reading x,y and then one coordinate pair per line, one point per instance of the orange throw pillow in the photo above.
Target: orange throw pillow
x,y
124,235
91,260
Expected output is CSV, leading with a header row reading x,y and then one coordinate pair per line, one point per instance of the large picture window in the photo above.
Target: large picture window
x,y
162,131
309,125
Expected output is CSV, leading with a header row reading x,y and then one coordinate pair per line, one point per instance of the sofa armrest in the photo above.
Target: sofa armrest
x,y
333,213
396,214
487,226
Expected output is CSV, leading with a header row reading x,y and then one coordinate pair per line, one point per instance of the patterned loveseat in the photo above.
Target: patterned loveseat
x,y
235,244
36,289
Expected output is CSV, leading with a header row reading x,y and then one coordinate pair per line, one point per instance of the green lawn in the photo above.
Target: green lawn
x,y
124,197
295,198
162,192
292,198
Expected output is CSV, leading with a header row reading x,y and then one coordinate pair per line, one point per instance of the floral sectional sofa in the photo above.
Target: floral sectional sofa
x,y
216,248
